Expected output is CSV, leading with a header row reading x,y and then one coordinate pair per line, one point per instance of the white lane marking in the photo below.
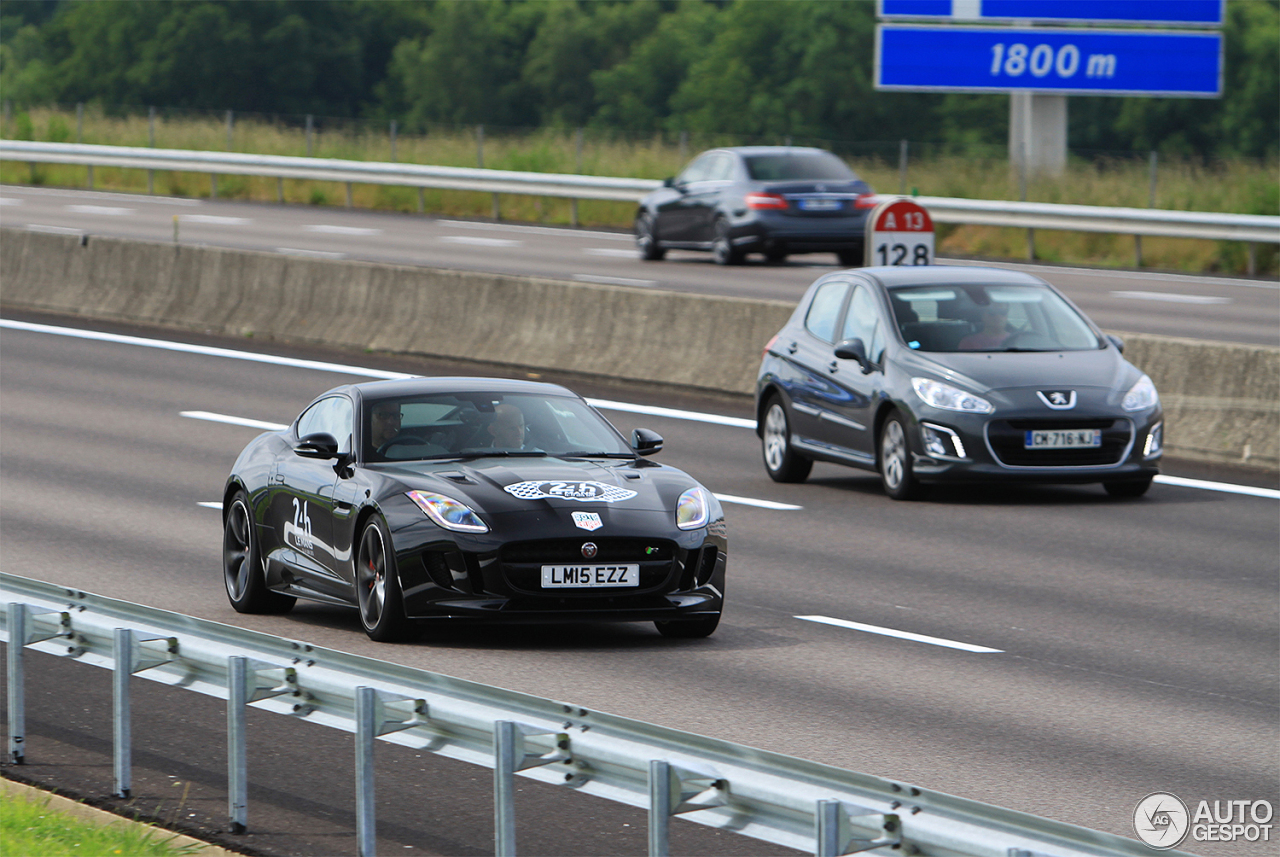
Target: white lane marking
x,y
481,242
205,350
315,254
1182,482
538,230
617,252
215,219
230,420
108,210
98,194
6,200
1169,297
54,230
655,411
613,281
210,504
902,635
760,504
1118,275
343,230
603,404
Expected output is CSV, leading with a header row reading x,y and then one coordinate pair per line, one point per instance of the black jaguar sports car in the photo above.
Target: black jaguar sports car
x,y
470,498
954,374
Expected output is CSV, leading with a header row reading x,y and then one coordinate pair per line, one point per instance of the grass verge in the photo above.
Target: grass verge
x,y
29,827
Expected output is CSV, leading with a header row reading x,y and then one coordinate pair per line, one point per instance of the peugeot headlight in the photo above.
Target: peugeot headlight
x,y
692,510
448,512
1141,395
948,398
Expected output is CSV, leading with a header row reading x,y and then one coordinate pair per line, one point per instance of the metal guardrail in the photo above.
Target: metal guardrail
x,y
759,794
1255,228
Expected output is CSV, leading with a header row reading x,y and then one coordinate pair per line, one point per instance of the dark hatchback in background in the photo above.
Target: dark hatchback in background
x,y
758,199
941,374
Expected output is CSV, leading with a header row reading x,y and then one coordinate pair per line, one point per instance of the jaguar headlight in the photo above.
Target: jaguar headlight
x,y
1141,396
936,394
448,512
692,509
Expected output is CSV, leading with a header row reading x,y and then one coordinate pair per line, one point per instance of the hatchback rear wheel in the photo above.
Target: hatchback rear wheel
x,y
782,462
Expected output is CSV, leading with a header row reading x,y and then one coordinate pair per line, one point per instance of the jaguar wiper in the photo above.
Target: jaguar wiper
x,y
585,454
488,453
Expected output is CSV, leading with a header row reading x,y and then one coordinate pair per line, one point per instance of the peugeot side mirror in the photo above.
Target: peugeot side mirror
x,y
853,349
321,445
669,181
1117,342
646,442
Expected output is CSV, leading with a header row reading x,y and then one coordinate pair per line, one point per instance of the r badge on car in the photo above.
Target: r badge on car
x,y
587,520
1059,400
589,550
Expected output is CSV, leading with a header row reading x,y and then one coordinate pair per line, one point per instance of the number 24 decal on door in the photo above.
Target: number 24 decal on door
x,y
301,527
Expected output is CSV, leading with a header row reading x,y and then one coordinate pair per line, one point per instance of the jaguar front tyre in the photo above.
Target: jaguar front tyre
x,y
378,585
782,462
703,626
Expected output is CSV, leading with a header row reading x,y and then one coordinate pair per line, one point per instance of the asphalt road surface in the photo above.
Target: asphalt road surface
x,y
1199,307
1135,645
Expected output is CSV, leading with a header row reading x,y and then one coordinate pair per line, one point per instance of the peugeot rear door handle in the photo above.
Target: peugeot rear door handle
x,y
793,348
833,366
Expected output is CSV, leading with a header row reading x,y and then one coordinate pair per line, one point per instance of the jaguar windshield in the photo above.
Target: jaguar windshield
x,y
989,318
479,425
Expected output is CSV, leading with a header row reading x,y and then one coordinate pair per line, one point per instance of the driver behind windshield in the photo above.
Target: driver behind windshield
x,y
384,425
994,332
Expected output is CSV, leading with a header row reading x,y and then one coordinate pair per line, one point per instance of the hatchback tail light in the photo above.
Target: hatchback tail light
x,y
768,346
865,200
766,201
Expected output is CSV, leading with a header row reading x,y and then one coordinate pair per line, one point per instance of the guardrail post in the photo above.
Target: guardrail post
x,y
675,790
237,751
151,141
20,636
121,733
17,698
126,664
393,141
659,808
366,836
504,772
309,124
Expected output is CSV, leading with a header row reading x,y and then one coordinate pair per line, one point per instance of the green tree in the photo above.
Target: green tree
x,y
468,68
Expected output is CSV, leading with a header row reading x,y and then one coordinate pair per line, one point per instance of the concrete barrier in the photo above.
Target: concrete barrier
x,y
1222,401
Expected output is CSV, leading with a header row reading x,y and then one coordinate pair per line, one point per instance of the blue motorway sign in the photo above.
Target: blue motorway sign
x,y
1191,13
1060,61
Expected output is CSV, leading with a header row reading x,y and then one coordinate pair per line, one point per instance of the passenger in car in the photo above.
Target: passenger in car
x,y
994,330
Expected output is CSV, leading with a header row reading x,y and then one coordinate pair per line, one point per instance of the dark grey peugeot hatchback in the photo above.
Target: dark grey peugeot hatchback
x,y
939,374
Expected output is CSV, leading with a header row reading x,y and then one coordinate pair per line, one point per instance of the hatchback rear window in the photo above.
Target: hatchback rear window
x,y
801,165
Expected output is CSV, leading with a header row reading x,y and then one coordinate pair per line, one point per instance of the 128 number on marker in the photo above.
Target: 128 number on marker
x,y
904,254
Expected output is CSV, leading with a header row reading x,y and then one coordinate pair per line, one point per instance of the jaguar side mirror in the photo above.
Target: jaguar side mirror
x,y
646,442
321,445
